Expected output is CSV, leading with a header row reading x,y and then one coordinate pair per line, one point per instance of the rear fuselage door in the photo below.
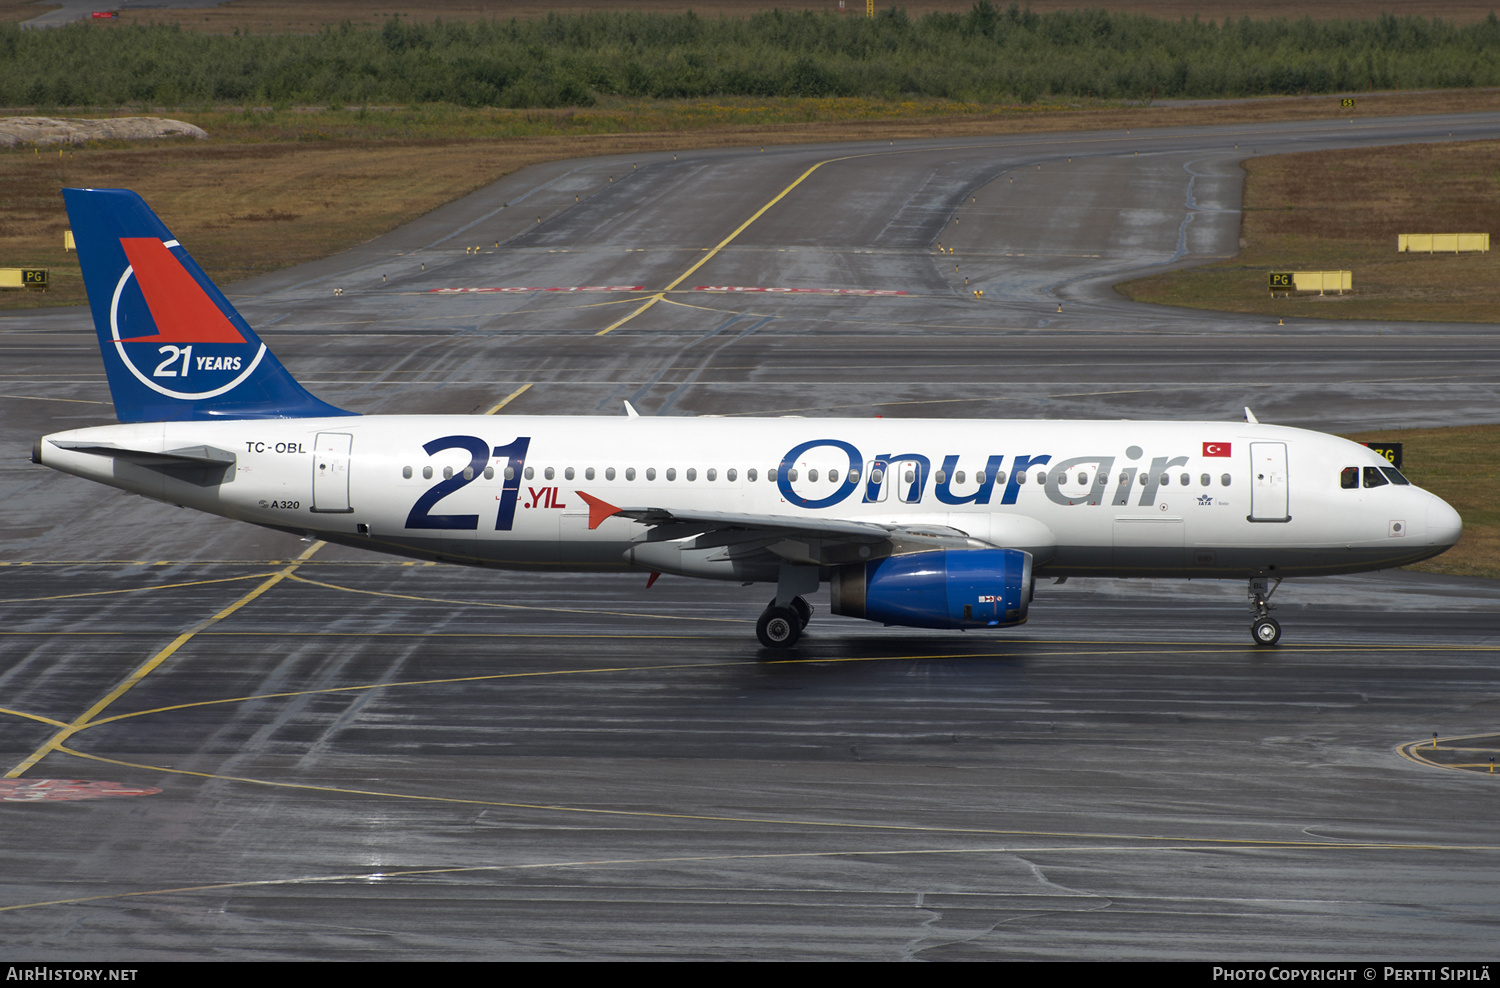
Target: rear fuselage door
x,y
1268,483
331,472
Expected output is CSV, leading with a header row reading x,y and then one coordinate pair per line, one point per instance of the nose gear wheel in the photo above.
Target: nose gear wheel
x,y
1264,629
1266,632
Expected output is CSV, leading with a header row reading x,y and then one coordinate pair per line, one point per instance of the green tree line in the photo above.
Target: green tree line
x,y
989,54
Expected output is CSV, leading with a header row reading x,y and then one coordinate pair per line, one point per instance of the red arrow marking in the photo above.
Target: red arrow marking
x,y
598,509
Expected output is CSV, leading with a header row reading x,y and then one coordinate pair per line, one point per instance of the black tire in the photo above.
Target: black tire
x,y
778,627
800,605
1265,632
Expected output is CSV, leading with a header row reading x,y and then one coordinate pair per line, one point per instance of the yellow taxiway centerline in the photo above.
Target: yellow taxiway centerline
x,y
708,256
82,720
160,586
1413,751
817,824
659,296
509,398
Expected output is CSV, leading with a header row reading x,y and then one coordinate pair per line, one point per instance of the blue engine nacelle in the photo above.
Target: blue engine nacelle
x,y
945,588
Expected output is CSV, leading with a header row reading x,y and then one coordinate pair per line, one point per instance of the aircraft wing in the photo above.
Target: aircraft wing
x,y
811,541
856,531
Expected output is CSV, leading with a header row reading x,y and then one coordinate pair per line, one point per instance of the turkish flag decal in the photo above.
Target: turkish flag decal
x,y
1216,449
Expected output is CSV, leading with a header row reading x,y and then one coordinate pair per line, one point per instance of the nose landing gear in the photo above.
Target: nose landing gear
x,y
1264,630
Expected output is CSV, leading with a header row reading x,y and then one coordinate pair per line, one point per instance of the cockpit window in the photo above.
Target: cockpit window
x,y
1374,478
1349,478
1395,476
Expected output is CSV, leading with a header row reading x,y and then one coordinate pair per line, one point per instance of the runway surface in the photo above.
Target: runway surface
x,y
360,757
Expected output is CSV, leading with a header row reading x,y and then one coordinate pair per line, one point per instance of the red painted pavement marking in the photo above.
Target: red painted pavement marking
x,y
583,288
798,291
60,790
641,288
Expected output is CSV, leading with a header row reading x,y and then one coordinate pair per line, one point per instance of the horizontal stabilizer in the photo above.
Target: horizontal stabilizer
x,y
188,456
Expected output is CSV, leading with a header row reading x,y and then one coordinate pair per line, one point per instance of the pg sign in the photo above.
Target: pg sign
x,y
34,277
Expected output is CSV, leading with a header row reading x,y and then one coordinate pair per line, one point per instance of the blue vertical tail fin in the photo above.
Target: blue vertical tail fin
x,y
174,348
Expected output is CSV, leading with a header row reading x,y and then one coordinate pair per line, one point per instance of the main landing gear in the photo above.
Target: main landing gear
x,y
1264,630
780,627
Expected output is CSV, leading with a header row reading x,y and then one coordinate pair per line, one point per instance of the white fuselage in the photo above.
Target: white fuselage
x,y
1116,498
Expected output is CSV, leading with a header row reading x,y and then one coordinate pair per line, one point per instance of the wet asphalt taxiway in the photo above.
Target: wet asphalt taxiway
x,y
317,753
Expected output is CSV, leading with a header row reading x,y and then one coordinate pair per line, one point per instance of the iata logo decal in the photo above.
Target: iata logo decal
x,y
167,330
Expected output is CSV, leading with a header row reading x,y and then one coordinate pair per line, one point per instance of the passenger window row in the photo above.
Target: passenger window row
x,y
1125,479
877,476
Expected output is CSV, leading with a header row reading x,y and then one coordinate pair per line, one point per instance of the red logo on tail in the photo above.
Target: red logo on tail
x,y
182,310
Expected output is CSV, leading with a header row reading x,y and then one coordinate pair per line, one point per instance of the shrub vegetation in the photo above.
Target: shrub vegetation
x,y
988,54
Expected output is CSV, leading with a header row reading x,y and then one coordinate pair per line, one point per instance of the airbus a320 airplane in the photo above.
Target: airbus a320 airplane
x,y
922,523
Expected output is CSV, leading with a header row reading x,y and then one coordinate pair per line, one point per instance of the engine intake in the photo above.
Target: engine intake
x,y
945,588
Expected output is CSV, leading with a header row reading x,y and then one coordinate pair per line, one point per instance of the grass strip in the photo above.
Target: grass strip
x,y
1343,211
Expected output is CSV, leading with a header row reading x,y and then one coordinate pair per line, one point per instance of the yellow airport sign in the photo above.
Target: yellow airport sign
x,y
1311,281
1442,243
23,277
1322,281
